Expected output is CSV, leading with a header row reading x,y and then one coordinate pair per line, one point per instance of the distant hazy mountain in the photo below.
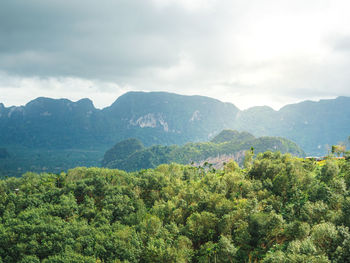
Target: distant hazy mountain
x,y
165,118
51,123
312,125
156,117
131,155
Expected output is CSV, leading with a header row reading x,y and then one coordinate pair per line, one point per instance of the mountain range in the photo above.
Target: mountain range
x,y
166,118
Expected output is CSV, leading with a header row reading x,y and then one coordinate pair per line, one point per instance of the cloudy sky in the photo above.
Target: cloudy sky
x,y
248,52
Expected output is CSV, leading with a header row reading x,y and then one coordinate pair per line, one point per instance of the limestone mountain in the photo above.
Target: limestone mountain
x,y
312,125
79,129
165,118
50,123
156,117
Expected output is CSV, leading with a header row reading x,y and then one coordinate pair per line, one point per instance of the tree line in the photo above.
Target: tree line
x,y
277,208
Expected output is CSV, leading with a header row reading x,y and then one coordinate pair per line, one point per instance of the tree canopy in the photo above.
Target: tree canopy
x,y
278,208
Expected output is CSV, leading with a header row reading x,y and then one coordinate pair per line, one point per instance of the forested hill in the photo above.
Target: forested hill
x,y
165,118
278,209
131,155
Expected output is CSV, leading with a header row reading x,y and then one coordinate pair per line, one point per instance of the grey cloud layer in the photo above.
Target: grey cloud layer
x,y
163,45
107,39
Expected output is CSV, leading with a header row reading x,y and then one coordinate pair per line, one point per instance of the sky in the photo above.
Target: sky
x,y
247,52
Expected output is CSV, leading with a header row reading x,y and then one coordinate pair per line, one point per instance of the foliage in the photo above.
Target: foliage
x,y
24,159
232,135
122,150
339,149
278,208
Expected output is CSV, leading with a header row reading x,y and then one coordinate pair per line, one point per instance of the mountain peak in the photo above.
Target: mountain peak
x,y
260,109
161,97
232,135
86,103
43,101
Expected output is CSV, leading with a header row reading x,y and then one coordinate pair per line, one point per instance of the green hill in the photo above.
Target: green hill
x,y
226,145
232,135
122,150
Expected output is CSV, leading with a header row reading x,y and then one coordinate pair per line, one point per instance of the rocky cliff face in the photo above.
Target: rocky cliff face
x,y
219,161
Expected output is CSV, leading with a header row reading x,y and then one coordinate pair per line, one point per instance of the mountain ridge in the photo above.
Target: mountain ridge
x,y
168,118
177,94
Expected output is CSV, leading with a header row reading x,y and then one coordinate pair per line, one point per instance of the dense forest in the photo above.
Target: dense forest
x,y
278,208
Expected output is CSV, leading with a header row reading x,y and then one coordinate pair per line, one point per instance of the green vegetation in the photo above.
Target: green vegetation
x,y
339,149
130,155
122,150
278,208
232,135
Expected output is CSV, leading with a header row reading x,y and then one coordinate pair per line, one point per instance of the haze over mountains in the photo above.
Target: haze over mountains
x,y
165,118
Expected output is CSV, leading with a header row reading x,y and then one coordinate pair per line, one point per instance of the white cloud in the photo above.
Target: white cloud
x,y
246,52
20,90
183,70
189,5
